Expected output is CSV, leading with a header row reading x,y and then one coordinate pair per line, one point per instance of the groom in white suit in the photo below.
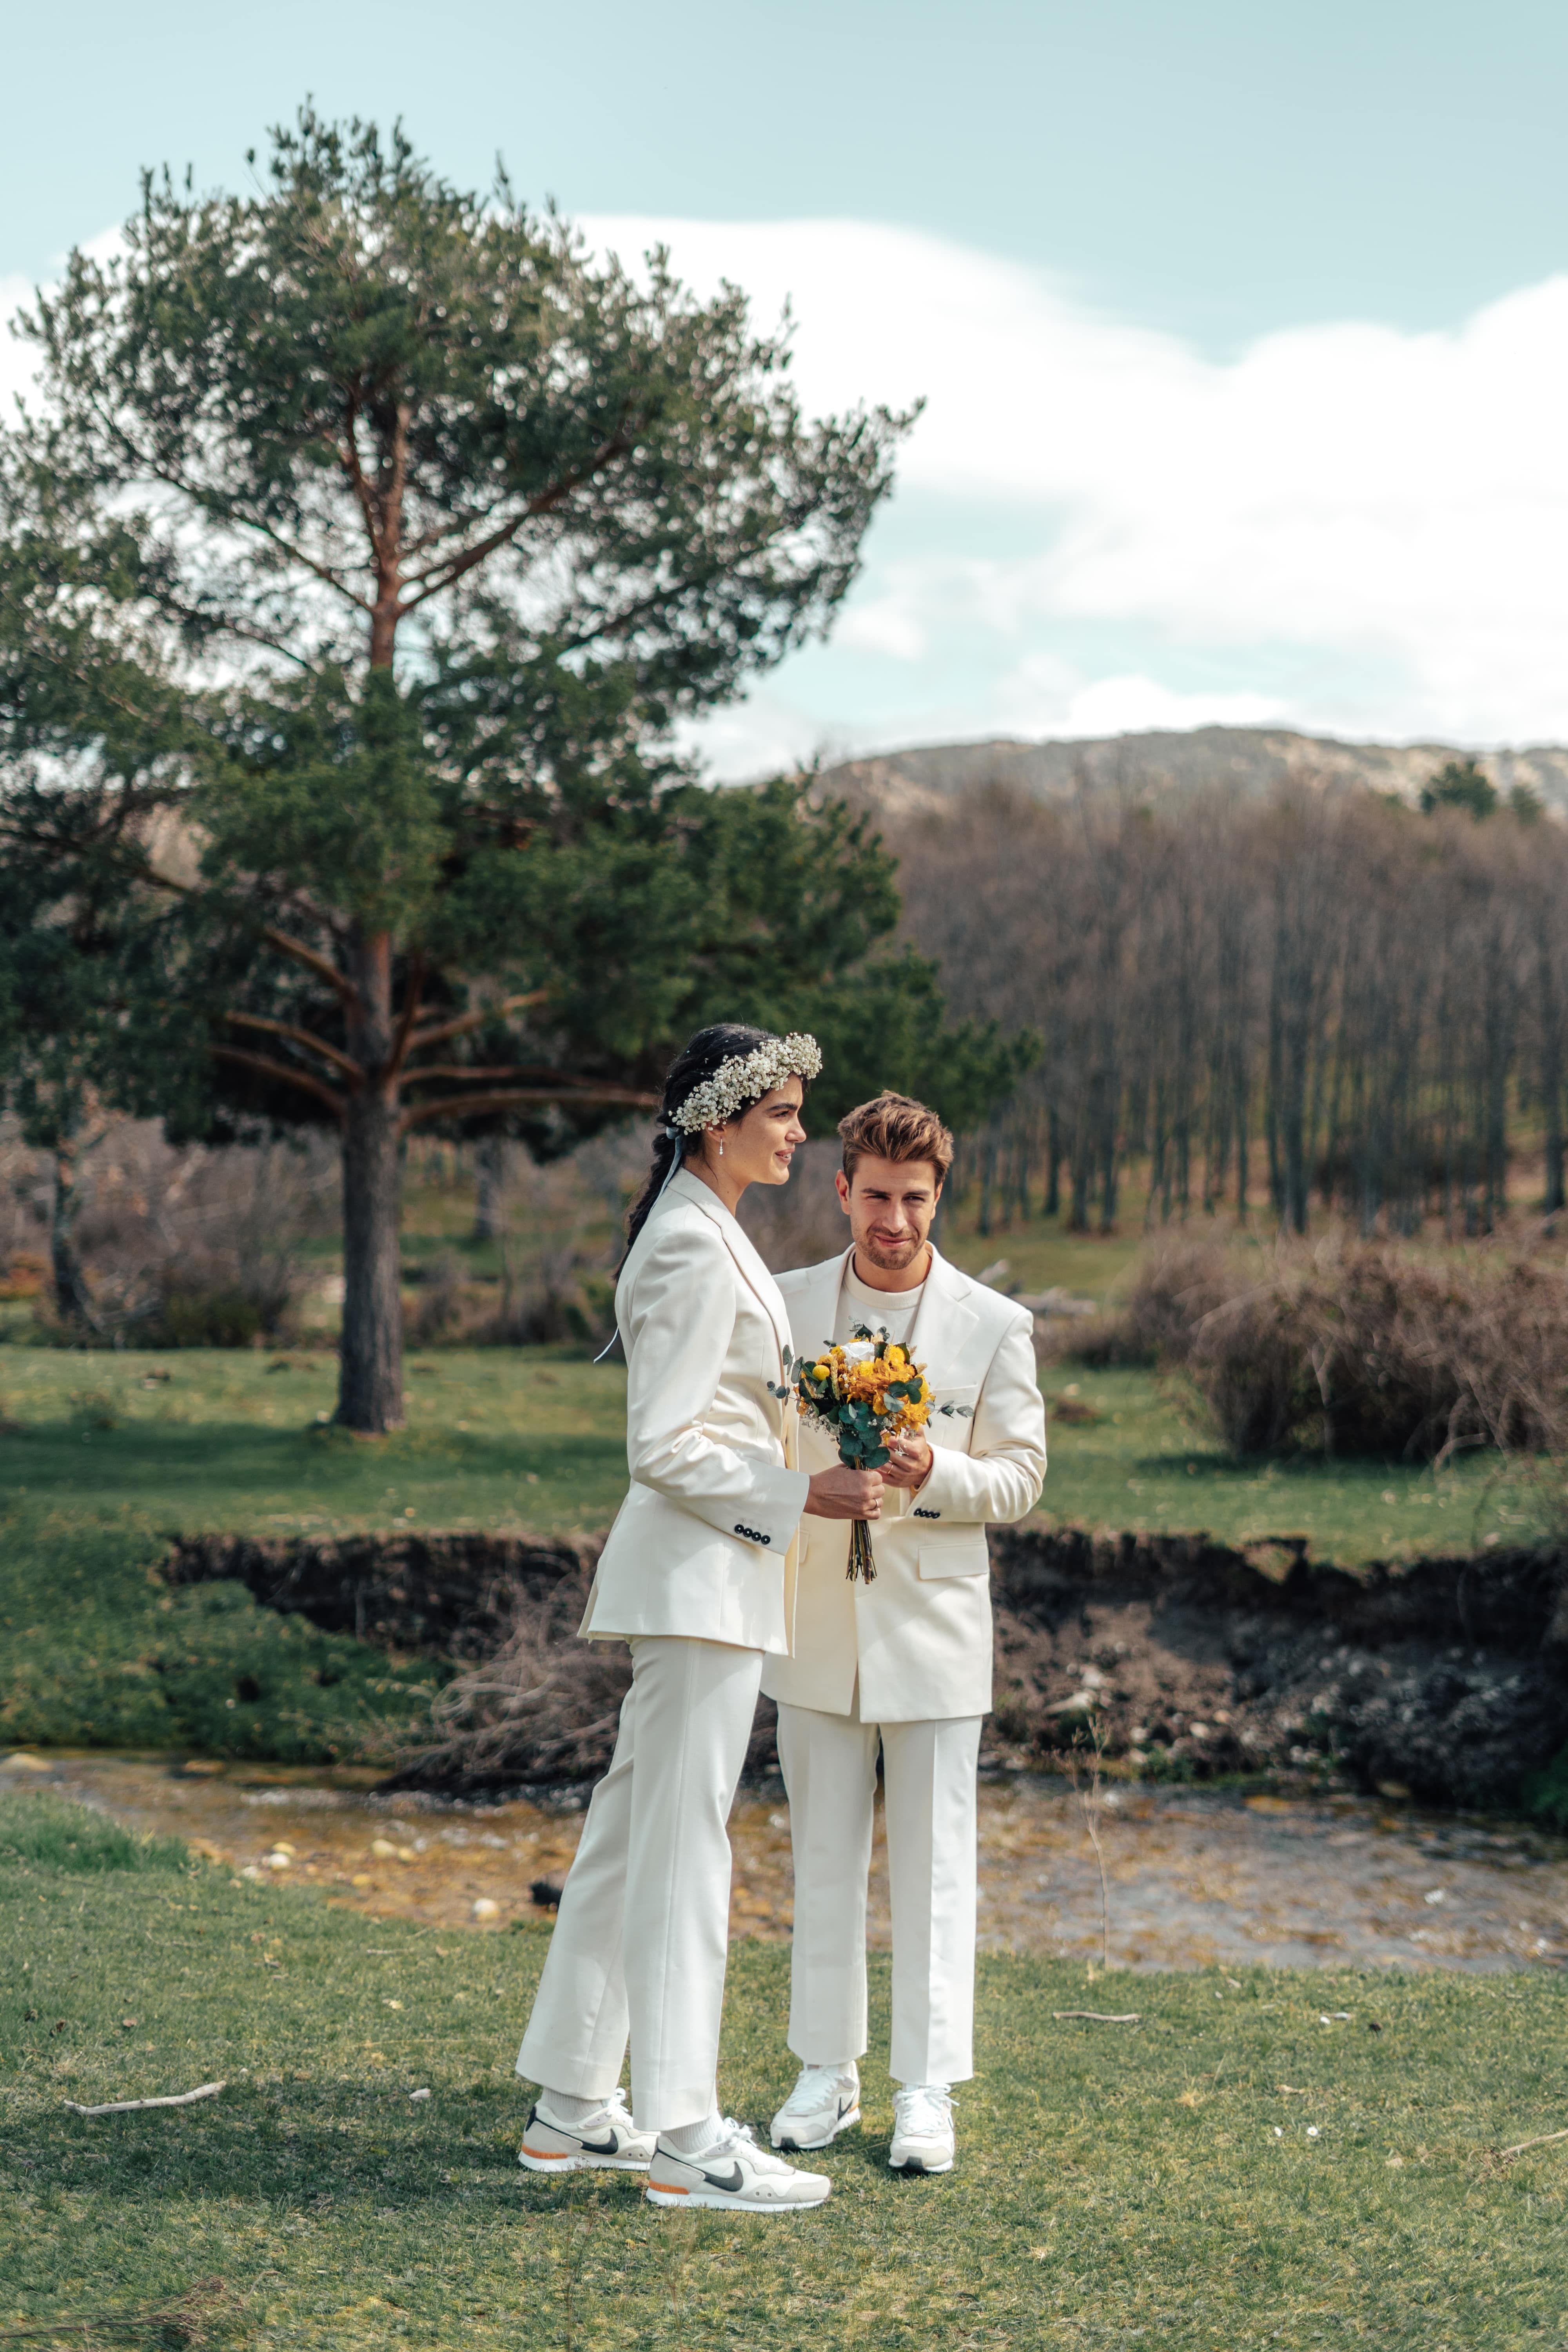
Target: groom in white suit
x,y
902,1664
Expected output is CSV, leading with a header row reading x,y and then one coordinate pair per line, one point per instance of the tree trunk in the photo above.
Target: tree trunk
x,y
488,1168
73,1300
369,1376
1551,1080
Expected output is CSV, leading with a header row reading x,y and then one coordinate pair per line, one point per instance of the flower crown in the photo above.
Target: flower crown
x,y
743,1079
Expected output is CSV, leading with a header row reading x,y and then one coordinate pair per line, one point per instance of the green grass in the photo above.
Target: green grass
x,y
104,1459
1117,2185
1147,1461
104,1462
96,1650
524,1439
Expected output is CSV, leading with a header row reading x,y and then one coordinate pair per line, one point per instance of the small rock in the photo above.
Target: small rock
x,y
419,2095
383,1850
547,1893
485,1909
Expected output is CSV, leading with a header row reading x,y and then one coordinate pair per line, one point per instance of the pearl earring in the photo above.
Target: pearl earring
x,y
720,1151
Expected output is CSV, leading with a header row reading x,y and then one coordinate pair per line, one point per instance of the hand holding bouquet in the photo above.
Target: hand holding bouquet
x,y
862,1393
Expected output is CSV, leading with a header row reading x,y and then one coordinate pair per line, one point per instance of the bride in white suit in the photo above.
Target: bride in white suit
x,y
697,1575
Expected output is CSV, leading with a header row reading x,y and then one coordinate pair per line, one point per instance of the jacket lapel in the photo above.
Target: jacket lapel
x,y
752,1271
944,1322
815,1308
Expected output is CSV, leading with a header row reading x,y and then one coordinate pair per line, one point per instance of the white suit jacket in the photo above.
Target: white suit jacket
x,y
919,1635
704,1544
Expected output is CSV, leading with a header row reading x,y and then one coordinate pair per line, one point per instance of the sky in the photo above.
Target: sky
x,y
1242,330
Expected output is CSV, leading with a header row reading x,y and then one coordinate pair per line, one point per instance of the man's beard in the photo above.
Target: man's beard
x,y
894,1259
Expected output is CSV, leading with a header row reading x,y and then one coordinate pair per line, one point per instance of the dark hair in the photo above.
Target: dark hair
x,y
697,1061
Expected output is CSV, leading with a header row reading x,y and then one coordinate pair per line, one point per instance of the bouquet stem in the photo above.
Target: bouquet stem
x,y
861,1564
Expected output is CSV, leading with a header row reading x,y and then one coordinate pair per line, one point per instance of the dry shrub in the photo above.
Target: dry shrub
x,y
1366,1348
1180,1281
1246,1358
542,1708
1177,1283
1098,1342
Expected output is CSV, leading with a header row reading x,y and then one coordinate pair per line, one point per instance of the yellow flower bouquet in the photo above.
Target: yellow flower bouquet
x,y
863,1393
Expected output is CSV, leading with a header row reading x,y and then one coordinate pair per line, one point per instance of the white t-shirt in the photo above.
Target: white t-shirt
x,y
892,1311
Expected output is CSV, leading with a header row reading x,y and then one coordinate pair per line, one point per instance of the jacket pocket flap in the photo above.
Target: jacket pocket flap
x,y
954,1551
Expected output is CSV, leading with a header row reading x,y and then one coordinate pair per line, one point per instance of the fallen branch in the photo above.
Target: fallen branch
x,y
1545,2140
1100,2016
130,2106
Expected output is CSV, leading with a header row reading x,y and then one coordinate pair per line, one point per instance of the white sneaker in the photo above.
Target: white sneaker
x,y
824,2101
922,2129
605,2141
732,2176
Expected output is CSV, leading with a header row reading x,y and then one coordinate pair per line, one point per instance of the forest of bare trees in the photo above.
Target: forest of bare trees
x,y
1329,998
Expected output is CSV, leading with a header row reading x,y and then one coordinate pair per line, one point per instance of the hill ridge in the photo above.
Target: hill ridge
x,y
1253,759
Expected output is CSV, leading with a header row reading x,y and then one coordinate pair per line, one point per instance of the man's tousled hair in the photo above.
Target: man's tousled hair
x,y
895,1127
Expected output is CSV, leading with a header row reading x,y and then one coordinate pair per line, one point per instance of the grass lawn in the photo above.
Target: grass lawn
x,y
1140,1457
533,1440
1117,2184
103,1457
522,1439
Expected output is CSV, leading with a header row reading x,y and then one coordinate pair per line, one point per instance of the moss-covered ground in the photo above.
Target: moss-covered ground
x,y
1250,2165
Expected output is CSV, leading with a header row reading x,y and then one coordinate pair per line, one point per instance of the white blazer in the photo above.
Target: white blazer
x,y
704,1544
919,1635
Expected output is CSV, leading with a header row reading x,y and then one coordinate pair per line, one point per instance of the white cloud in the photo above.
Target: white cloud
x,y
1396,504
1041,698
1382,514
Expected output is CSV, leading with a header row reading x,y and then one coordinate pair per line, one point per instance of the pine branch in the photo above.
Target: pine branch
x,y
439,1033
284,942
447,570
292,1077
351,1070
519,1097
322,966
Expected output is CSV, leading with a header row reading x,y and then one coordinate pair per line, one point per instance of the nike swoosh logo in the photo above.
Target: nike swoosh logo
x,y
717,2180
610,2146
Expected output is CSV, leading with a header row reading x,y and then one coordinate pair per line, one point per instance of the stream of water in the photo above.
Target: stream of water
x,y
1192,1878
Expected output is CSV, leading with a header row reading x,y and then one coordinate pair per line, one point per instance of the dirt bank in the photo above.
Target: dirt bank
x,y
1447,1678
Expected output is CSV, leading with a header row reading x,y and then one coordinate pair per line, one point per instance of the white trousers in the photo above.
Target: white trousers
x,y
928,1793
643,1935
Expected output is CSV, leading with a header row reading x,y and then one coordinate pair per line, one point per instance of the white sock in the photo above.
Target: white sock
x,y
567,2109
691,2139
845,2068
